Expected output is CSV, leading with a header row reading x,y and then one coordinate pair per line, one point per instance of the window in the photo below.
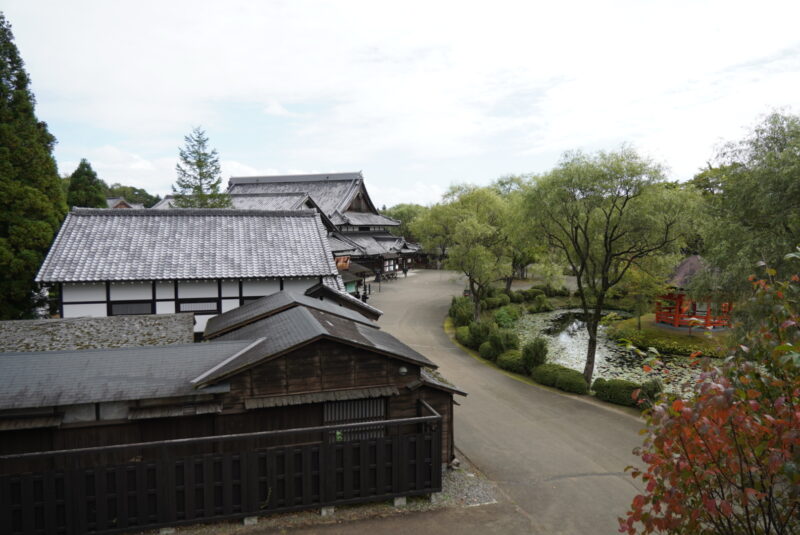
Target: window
x,y
199,306
363,229
129,308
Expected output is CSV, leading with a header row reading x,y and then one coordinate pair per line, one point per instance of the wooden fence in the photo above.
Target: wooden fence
x,y
161,485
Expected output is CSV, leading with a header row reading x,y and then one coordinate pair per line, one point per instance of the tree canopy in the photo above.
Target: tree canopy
x,y
406,213
199,179
85,189
606,213
31,195
133,194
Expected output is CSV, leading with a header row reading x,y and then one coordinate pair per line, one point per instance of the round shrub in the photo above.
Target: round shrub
x,y
618,391
571,381
462,335
504,299
487,351
534,353
652,388
503,339
506,316
479,332
492,302
461,311
542,304
517,297
531,293
492,291
511,360
546,374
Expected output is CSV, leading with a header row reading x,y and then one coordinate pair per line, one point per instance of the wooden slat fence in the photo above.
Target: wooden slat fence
x,y
159,488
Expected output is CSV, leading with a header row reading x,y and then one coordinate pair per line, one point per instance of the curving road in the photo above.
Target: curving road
x,y
558,460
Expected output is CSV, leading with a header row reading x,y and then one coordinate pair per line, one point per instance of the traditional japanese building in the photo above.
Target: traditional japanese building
x,y
122,262
677,309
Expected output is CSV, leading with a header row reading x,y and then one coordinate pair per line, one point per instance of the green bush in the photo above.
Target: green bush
x,y
540,304
534,353
618,391
511,360
571,381
665,346
479,332
504,299
492,291
531,293
487,351
516,297
504,339
461,311
546,374
462,336
506,316
652,388
492,302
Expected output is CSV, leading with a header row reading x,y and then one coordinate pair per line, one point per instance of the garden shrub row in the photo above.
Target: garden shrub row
x,y
540,304
506,316
534,354
620,391
551,291
489,339
461,311
664,346
561,377
511,360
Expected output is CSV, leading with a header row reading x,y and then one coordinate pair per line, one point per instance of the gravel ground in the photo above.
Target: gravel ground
x,y
464,486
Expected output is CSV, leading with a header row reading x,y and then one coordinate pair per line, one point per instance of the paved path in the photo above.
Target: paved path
x,y
559,459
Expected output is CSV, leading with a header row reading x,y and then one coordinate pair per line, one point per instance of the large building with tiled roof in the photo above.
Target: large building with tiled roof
x,y
121,262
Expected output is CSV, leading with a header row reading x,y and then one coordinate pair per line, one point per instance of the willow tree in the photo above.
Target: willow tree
x,y
606,213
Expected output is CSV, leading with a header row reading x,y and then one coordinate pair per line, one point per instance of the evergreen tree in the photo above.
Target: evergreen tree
x,y
31,197
85,189
199,177
133,194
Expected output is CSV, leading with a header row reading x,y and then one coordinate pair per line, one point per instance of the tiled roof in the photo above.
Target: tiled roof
x,y
298,326
373,243
99,375
93,333
326,290
331,191
274,304
256,201
363,218
117,245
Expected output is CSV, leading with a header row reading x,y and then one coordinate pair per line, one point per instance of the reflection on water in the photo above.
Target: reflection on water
x,y
567,339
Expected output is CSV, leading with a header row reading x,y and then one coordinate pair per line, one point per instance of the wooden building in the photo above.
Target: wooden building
x,y
124,262
295,402
677,309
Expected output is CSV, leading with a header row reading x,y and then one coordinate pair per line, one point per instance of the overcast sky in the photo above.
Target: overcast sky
x,y
417,95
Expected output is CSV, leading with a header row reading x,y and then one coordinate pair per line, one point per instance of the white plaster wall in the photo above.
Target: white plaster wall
x,y
189,289
129,291
230,304
230,288
259,288
114,410
200,322
165,307
95,291
299,285
79,413
76,311
165,290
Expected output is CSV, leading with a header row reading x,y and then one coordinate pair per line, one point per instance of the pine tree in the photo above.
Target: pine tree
x,y
31,197
199,176
85,189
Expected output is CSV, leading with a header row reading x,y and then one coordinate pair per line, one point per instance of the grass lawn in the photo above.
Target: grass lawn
x,y
669,340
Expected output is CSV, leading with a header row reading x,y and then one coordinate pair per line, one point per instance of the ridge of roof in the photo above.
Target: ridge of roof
x,y
187,212
312,177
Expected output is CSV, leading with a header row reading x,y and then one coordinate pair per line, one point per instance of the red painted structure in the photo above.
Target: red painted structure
x,y
678,310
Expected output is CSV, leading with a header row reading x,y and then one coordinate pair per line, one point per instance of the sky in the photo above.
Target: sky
x,y
416,95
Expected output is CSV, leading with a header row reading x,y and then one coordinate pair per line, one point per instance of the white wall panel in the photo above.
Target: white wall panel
x,y
200,322
229,304
131,291
114,410
165,290
230,288
190,289
165,307
95,291
76,311
260,288
79,413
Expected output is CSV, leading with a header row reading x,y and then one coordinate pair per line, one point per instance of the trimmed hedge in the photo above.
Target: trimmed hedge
x,y
516,297
560,377
531,293
511,360
462,336
504,339
506,316
479,332
540,304
620,391
504,299
491,303
487,351
534,353
461,311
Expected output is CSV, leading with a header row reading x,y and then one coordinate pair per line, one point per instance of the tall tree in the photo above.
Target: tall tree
x,y
133,194
754,204
85,189
31,196
606,213
406,213
435,229
199,179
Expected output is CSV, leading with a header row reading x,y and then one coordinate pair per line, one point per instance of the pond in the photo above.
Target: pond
x,y
567,339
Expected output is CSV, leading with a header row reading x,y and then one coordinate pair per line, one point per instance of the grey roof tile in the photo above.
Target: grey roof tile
x,y
116,245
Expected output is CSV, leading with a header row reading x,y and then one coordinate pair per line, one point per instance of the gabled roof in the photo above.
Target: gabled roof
x,y
337,295
55,378
298,326
121,202
94,333
363,218
374,243
331,191
120,245
275,304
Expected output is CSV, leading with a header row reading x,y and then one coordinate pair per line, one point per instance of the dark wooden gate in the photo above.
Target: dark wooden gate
x,y
165,483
